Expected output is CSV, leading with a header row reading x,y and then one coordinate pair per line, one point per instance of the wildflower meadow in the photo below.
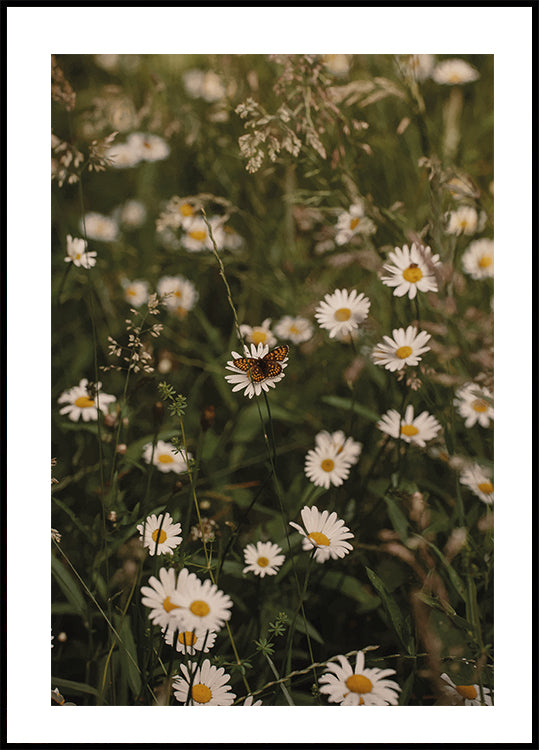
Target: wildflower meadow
x,y
272,380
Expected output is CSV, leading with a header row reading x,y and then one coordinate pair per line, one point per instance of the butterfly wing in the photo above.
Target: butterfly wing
x,y
251,365
266,367
277,354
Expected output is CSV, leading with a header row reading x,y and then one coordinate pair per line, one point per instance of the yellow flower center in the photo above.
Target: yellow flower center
x,y
187,638
327,465
409,430
165,458
480,405
198,234
354,222
467,691
83,402
342,314
186,209
159,536
132,292
78,256
293,329
178,293
486,487
403,352
259,337
263,562
358,683
485,261
463,224
201,693
199,608
455,78
318,538
413,273
168,606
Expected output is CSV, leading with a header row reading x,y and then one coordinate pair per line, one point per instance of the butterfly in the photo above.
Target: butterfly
x,y
264,367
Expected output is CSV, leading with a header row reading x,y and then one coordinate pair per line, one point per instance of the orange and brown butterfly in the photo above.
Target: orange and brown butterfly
x,y
261,368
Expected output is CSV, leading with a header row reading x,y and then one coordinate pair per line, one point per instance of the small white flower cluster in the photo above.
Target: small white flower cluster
x,y
137,148
196,235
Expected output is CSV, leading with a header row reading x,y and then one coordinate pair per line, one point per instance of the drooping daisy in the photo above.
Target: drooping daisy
x,y
453,72
353,222
133,214
165,458
468,695
346,447
411,270
342,312
465,220
124,155
405,348
473,402
478,260
360,686
204,606
208,685
297,330
136,292
324,533
259,334
254,377
78,254
189,642
99,227
231,239
420,66
160,534
84,402
178,293
249,701
416,431
479,480
324,466
160,595
197,237
264,558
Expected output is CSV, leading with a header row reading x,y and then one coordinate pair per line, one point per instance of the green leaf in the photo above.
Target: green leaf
x,y
397,517
351,587
407,689
128,649
454,577
348,405
392,608
75,687
69,586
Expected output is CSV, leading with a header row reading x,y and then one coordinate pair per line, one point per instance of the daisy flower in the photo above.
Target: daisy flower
x,y
136,292
478,260
259,334
347,448
81,403
411,270
149,147
480,482
133,214
231,239
473,402
208,685
405,348
324,533
324,466
203,85
416,431
99,227
360,686
263,558
342,312
297,330
189,642
470,695
165,457
124,155
454,71
465,220
249,701
197,236
253,377
160,534
78,254
178,293
204,606
160,596
353,222
180,213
